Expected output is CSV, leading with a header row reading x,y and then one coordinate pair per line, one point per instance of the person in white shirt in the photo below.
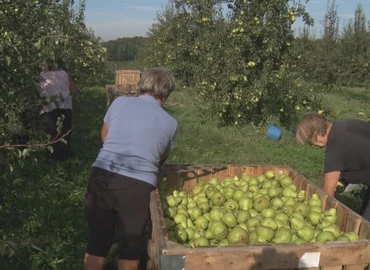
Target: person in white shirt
x,y
56,89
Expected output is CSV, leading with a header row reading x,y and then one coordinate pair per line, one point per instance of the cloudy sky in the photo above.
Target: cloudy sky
x,y
112,19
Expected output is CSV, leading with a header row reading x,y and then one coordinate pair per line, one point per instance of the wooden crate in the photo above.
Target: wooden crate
x,y
127,77
116,90
168,255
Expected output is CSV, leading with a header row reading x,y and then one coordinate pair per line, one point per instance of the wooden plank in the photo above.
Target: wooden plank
x,y
364,230
157,243
221,173
353,222
331,268
189,181
354,267
173,180
279,257
342,214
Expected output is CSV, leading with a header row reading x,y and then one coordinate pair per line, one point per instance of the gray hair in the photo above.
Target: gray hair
x,y
157,82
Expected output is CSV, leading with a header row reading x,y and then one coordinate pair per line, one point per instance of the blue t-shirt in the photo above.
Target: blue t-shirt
x,y
139,132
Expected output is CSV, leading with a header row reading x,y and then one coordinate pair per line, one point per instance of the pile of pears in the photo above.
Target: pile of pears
x,y
244,210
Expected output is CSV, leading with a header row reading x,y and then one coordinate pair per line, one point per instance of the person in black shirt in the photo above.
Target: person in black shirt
x,y
347,143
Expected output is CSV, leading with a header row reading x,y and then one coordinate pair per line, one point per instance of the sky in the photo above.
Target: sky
x,y
112,19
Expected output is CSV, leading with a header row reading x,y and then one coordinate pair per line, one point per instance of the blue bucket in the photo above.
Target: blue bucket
x,y
273,133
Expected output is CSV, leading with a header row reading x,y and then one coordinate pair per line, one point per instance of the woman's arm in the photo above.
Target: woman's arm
x,y
330,182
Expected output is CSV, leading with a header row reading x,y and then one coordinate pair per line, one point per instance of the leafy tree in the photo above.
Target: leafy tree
x,y
31,32
236,53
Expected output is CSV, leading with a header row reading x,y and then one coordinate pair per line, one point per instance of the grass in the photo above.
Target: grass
x,y
45,211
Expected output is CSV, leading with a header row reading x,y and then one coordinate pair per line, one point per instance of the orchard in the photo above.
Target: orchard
x,y
238,56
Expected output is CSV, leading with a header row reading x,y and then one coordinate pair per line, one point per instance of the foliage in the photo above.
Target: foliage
x,y
124,49
240,59
341,56
31,32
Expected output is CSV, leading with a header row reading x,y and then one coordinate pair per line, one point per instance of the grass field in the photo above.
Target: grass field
x,y
49,202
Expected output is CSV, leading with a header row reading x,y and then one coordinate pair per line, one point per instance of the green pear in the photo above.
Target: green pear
x,y
261,178
170,212
253,182
266,185
296,224
205,207
301,208
269,222
216,214
238,194
314,218
301,196
190,224
343,238
230,205
253,188
243,216
245,203
282,235
253,223
191,232
273,192
314,200
253,212
290,201
316,208
282,216
218,230
202,242
265,234
169,224
268,212
334,228
306,233
276,203
230,220
289,192
201,222
270,174
324,237
261,203
228,192
238,236
224,243
195,213
181,235
285,181
213,181
353,236
180,220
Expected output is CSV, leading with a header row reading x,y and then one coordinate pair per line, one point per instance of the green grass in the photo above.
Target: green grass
x,y
46,209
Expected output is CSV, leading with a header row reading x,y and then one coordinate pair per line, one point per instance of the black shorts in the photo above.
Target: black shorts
x,y
111,201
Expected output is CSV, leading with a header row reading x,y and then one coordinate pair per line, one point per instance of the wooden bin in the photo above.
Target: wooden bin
x,y
168,255
116,90
127,77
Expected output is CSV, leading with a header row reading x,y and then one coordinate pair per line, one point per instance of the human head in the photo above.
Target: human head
x,y
157,82
51,64
313,129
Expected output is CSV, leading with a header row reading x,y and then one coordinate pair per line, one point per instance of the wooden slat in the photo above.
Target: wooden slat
x,y
221,174
189,181
331,268
342,214
273,257
354,267
353,222
157,243
364,230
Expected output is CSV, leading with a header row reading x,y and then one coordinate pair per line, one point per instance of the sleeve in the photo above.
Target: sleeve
x,y
332,162
109,113
173,138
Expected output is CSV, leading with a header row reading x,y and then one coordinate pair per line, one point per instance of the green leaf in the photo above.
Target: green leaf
x,y
37,45
50,148
11,168
17,181
8,60
63,141
25,152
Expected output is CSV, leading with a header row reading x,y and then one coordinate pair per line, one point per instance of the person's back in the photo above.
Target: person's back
x,y
56,83
347,150
139,132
